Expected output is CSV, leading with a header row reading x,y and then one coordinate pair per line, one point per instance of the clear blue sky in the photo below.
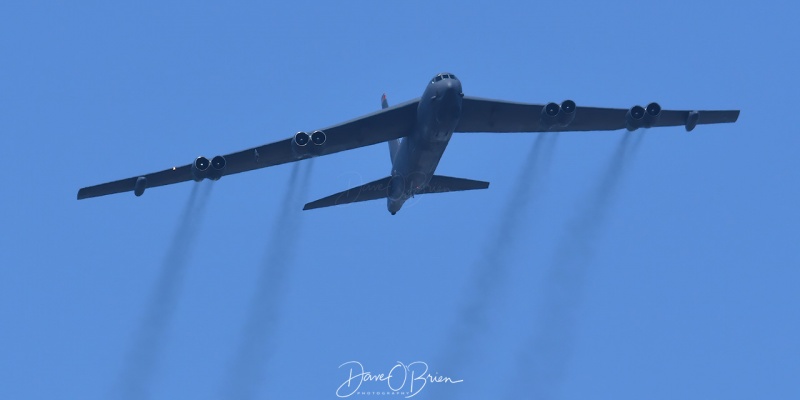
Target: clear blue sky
x,y
677,278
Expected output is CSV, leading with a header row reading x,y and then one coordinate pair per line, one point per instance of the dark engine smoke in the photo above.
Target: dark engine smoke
x,y
491,269
140,364
250,361
544,361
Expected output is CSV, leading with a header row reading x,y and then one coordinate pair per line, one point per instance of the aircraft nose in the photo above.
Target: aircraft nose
x,y
452,87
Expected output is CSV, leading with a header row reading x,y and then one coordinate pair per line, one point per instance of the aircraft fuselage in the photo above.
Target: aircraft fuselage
x,y
419,153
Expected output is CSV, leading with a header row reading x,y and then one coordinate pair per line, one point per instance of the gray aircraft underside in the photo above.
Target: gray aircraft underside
x,y
418,132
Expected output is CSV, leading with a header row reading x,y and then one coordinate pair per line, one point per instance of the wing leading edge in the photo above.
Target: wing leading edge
x,y
381,126
485,115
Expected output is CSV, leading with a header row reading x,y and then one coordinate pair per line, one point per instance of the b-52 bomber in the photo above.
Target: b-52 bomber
x,y
418,132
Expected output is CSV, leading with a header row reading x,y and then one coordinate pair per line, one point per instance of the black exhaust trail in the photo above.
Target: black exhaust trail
x,y
543,363
141,362
491,269
247,371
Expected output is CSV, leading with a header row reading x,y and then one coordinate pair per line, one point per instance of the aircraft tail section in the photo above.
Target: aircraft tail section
x,y
393,144
379,189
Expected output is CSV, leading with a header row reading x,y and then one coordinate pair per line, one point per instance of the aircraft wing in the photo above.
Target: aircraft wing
x,y
485,115
381,126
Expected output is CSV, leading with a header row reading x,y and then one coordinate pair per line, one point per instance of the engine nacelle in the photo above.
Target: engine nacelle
x,y
200,168
635,118
300,146
651,114
305,145
554,115
318,138
217,168
301,139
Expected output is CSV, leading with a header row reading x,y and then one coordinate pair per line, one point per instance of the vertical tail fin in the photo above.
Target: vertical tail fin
x,y
393,144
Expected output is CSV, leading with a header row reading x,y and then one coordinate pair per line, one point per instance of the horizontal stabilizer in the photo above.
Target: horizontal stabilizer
x,y
379,189
442,184
371,191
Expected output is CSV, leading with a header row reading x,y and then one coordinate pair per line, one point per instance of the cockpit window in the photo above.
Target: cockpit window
x,y
442,76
